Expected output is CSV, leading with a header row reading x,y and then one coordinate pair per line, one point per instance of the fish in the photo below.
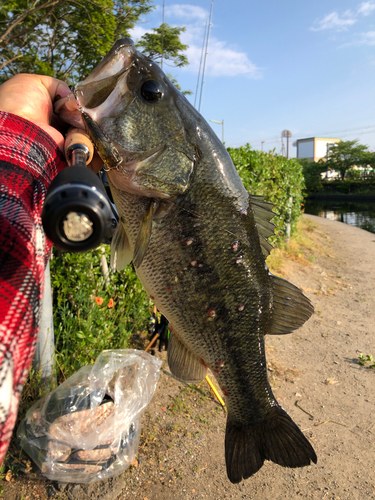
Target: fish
x,y
198,241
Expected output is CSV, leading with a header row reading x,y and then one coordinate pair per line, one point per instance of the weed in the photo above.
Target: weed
x,y
177,406
301,248
363,360
203,419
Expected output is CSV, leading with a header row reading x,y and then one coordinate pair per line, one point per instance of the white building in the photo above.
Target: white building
x,y
314,148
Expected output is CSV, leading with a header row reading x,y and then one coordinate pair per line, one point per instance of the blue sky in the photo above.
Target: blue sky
x,y
308,67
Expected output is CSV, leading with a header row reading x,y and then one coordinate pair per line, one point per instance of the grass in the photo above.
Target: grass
x,y
366,360
301,247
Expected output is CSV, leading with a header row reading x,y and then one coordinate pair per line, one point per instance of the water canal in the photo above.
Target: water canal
x,y
359,214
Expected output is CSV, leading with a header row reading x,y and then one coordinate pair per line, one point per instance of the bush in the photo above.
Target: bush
x,y
276,179
89,318
312,173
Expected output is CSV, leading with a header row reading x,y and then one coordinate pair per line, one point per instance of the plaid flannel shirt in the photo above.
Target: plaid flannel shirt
x,y
29,160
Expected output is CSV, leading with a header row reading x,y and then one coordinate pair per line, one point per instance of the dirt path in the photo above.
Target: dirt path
x,y
315,375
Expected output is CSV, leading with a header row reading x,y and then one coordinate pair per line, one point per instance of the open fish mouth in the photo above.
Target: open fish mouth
x,y
103,91
107,81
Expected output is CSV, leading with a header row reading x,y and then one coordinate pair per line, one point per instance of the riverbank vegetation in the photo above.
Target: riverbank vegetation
x,y
349,169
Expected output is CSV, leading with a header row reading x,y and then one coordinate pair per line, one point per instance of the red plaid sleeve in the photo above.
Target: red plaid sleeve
x,y
29,160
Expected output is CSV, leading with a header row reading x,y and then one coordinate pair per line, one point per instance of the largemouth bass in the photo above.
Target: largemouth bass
x,y
198,242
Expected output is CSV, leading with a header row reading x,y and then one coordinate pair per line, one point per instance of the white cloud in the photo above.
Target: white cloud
x,y
362,39
223,59
334,21
137,32
366,8
186,12
368,38
337,22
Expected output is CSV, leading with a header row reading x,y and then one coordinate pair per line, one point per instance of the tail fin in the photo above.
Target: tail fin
x,y
277,439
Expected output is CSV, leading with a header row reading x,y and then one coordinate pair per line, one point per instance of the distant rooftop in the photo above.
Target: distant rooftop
x,y
325,138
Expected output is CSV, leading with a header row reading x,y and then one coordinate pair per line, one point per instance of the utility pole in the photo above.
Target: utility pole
x,y
220,123
282,147
288,135
261,147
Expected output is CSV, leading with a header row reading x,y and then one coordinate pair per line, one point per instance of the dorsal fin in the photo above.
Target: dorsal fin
x,y
290,307
262,215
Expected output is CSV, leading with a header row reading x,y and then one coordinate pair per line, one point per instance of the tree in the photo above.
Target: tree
x,y
164,44
62,38
312,171
346,154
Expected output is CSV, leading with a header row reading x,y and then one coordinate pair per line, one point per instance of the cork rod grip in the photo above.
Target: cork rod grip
x,y
74,136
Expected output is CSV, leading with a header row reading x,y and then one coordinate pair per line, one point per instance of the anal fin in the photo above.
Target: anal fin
x,y
290,307
183,363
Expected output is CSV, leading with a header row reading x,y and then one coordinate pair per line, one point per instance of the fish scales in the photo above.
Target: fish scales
x,y
198,243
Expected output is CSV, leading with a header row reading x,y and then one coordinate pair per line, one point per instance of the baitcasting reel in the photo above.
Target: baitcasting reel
x,y
77,215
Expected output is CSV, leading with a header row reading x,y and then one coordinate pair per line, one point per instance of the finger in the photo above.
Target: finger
x,y
54,86
59,124
31,96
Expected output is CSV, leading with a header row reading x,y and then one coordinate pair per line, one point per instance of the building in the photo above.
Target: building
x,y
314,148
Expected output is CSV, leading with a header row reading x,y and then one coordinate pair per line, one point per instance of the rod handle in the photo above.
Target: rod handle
x,y
77,136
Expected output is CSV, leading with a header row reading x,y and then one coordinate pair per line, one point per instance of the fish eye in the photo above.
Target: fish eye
x,y
151,91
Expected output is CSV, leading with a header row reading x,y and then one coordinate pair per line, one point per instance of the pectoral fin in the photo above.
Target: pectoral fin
x,y
183,363
121,254
144,234
290,307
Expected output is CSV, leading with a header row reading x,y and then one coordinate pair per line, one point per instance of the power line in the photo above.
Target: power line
x,y
344,132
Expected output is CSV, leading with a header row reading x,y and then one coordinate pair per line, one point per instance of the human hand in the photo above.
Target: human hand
x,y
32,97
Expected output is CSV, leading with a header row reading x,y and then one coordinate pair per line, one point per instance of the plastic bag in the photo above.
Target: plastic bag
x,y
88,428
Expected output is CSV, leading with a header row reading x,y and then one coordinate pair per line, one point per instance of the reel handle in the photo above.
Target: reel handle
x,y
77,215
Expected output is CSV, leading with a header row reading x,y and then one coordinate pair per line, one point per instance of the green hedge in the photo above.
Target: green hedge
x,y
84,328
276,179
